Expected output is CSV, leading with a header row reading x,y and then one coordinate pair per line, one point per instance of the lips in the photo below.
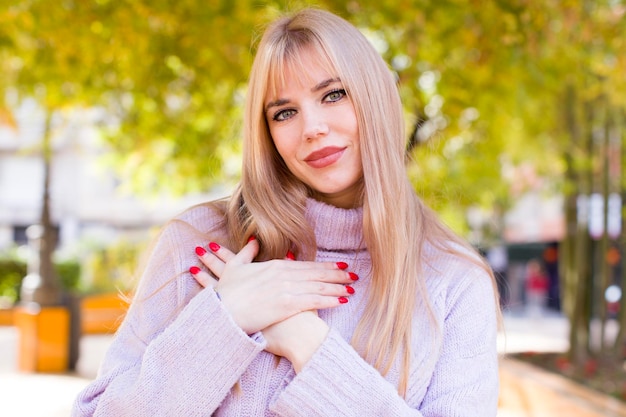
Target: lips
x,y
324,157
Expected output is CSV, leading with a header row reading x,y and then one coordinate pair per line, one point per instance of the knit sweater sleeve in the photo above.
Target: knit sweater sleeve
x,y
464,382
170,356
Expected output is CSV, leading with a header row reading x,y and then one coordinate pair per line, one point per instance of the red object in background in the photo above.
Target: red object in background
x,y
591,366
536,279
613,256
563,364
537,282
550,255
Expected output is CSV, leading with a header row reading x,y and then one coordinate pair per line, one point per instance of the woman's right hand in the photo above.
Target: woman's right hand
x,y
259,294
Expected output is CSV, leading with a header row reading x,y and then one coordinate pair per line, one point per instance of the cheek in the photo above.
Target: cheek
x,y
283,145
348,121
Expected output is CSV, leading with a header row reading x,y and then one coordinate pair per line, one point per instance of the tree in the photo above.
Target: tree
x,y
152,69
486,86
506,82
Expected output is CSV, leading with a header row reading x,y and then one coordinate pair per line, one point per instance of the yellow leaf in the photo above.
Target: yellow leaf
x,y
7,119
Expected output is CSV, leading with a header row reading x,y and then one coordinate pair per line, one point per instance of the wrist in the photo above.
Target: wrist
x,y
306,344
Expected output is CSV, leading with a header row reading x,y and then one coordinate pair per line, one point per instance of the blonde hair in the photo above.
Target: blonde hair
x,y
270,201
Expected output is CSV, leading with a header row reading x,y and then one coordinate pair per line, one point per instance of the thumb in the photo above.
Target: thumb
x,y
247,254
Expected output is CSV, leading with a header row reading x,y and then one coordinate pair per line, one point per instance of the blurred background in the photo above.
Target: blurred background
x,y
117,115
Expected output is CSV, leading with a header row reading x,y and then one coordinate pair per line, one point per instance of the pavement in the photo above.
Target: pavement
x,y
525,391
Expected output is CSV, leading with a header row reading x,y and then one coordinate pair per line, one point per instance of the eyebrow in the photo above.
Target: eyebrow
x,y
317,87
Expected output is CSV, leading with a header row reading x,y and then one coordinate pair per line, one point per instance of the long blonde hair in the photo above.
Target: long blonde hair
x,y
270,202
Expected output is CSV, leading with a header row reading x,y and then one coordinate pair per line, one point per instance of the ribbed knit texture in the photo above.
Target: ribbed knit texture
x,y
178,352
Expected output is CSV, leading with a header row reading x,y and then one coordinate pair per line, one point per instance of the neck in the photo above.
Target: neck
x,y
336,228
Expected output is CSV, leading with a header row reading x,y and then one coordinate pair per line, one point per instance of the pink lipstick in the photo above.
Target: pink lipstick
x,y
324,157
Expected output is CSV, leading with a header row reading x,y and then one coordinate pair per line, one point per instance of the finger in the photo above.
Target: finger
x,y
325,289
320,302
203,278
221,252
332,272
330,266
328,276
247,254
211,261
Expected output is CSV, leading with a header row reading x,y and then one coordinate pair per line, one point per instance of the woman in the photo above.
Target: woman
x,y
342,295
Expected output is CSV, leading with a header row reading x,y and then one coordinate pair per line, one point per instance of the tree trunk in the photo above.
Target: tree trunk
x,y
620,339
603,265
41,285
576,263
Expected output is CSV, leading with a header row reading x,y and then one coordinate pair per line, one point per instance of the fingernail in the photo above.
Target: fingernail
x,y
349,289
251,238
342,265
214,246
342,300
291,256
200,251
194,270
353,276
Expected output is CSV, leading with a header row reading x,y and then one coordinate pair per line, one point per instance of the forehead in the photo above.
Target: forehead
x,y
303,68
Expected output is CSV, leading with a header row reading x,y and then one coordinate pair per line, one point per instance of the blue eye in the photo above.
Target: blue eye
x,y
283,115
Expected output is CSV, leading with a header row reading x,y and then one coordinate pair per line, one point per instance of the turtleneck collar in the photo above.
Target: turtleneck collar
x,y
335,228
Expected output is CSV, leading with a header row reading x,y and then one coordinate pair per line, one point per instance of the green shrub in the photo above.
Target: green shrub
x,y
100,270
112,268
68,272
11,273
13,270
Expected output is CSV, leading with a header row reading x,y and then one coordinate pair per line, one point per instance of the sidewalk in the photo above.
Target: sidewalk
x,y
528,391
525,391
44,395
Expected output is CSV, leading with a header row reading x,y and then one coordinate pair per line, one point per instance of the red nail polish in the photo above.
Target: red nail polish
x,y
353,276
349,289
251,238
342,265
194,270
200,250
214,246
291,256
342,300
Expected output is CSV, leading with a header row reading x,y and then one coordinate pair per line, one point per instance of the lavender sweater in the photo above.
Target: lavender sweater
x,y
178,352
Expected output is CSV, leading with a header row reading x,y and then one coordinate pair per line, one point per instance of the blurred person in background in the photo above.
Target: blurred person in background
x,y
536,287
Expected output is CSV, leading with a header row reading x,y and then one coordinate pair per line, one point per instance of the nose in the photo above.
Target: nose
x,y
314,125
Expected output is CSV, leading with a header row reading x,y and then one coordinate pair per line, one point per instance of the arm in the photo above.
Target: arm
x,y
466,379
168,357
464,382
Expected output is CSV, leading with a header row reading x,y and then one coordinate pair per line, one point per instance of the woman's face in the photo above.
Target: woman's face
x,y
314,128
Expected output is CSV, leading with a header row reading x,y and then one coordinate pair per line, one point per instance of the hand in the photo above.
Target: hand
x,y
259,294
296,338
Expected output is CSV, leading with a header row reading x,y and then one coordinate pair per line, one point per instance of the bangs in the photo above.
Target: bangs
x,y
287,59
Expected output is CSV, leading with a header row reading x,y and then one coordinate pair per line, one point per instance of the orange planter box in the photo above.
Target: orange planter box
x,y
6,317
102,313
44,338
